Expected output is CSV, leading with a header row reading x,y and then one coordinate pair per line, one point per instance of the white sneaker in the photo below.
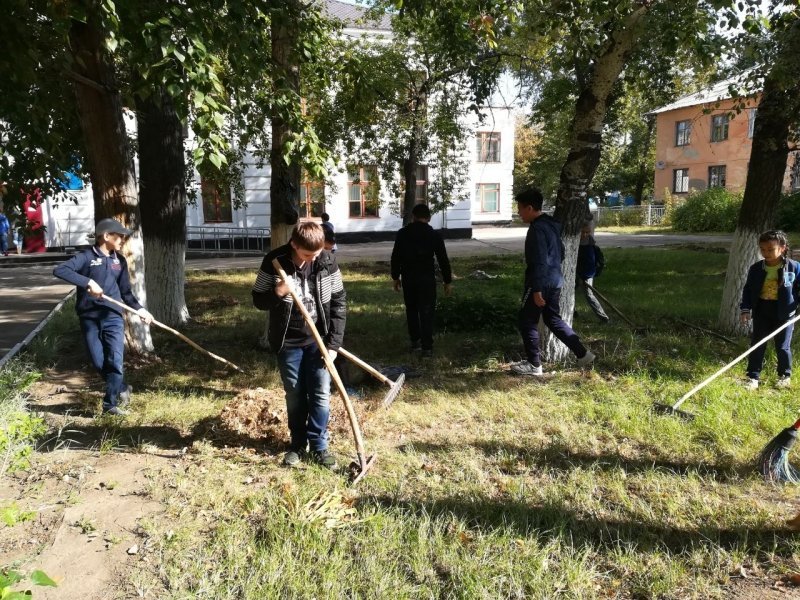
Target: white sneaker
x,y
784,381
526,368
587,359
750,384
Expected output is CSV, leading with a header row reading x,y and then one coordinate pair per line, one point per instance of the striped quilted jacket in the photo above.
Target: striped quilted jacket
x,y
330,297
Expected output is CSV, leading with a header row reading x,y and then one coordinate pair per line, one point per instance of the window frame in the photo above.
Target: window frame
x,y
719,127
364,185
486,140
683,136
307,186
220,200
480,189
714,172
684,179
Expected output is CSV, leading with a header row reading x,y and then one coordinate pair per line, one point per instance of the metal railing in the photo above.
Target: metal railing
x,y
646,214
204,238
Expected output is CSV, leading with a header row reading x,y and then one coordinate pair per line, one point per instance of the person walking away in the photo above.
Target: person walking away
x,y
327,226
4,228
103,270
544,252
317,280
413,270
769,299
588,267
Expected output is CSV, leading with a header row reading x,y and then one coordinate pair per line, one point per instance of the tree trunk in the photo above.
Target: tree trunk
x,y
162,202
583,158
778,110
108,155
284,188
644,168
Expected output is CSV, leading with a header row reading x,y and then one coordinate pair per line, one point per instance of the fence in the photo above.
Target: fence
x,y
646,214
215,239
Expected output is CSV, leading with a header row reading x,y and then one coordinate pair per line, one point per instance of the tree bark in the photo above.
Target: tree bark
x,y
162,202
108,154
583,158
778,112
284,188
644,172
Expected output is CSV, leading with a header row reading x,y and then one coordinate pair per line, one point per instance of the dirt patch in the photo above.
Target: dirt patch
x,y
761,588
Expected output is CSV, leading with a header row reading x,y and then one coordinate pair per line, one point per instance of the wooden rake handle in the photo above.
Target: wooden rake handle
x,y
175,332
368,368
351,414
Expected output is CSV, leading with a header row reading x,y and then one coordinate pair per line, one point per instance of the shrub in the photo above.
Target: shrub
x,y
715,209
19,429
789,212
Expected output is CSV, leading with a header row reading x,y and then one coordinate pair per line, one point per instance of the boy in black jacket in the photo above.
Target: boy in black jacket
x,y
317,280
97,271
413,270
587,269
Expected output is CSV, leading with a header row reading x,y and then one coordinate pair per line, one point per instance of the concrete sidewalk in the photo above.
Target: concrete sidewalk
x,y
28,290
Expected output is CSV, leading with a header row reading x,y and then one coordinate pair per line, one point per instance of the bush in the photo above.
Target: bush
x,y
18,428
789,212
632,215
715,209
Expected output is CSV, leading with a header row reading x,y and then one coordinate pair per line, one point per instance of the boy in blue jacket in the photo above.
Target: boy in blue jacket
x,y
97,271
770,298
586,270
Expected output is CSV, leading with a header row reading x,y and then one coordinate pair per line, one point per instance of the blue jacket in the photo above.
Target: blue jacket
x,y
544,252
4,226
109,272
788,293
587,261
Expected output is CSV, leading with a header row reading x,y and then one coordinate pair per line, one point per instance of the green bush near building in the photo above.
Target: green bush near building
x,y
714,209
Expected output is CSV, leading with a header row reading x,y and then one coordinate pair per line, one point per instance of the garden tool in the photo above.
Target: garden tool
x,y
773,462
636,329
364,463
175,332
394,386
673,410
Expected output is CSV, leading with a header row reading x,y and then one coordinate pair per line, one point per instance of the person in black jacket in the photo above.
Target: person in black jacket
x,y
586,269
414,272
97,271
544,252
317,280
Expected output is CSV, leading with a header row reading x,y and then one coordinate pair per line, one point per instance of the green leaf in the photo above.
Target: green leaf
x,y
10,578
40,578
216,160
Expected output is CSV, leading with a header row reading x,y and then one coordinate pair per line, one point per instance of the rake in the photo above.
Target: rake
x,y
177,333
394,386
364,463
773,462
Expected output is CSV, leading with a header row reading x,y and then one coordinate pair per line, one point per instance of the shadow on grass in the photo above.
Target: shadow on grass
x,y
551,521
561,457
101,435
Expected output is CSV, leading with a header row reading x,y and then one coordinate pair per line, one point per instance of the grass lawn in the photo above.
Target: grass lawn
x,y
486,485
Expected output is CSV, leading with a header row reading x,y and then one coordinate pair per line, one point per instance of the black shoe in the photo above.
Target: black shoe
x,y
293,457
324,458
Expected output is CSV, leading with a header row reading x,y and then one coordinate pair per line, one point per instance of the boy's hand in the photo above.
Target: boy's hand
x,y
94,289
145,315
538,299
282,289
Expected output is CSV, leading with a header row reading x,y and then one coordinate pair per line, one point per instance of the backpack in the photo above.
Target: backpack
x,y
599,261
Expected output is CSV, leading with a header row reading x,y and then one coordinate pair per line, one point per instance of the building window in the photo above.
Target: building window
x,y
719,128
680,181
751,121
682,131
488,197
363,191
716,176
216,202
421,192
312,198
488,146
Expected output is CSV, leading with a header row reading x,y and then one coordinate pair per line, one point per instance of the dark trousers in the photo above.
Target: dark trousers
x,y
105,343
765,321
419,296
529,316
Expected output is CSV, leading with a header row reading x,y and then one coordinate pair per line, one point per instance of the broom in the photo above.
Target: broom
x,y
773,462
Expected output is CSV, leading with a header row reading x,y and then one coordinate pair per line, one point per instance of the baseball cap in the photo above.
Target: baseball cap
x,y
110,226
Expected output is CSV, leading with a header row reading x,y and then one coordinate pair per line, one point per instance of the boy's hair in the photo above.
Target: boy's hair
x,y
329,236
776,235
421,211
308,236
531,197
325,217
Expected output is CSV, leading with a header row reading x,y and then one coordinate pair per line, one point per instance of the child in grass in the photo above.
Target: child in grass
x,y
770,298
97,271
317,280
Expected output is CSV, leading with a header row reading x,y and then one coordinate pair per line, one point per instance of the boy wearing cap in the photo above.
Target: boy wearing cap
x,y
97,271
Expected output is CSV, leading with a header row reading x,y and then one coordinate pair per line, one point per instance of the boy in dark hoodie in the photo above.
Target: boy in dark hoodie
x,y
544,252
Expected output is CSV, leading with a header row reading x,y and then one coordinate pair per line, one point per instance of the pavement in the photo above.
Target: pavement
x,y
29,292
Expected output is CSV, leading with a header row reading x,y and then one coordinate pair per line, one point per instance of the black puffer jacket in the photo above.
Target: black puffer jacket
x,y
330,297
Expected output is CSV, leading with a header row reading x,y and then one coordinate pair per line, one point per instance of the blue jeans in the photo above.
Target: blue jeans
x,y
105,344
529,316
765,321
307,384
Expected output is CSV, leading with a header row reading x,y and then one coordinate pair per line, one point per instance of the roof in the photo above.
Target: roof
x,y
354,16
719,91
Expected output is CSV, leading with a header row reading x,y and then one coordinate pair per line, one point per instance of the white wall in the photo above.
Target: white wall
x,y
501,120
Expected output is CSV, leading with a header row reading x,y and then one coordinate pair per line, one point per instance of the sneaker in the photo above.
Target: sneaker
x,y
526,368
324,458
750,384
784,381
587,359
125,396
116,411
292,458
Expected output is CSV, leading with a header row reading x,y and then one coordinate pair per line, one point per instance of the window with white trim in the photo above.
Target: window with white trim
x,y
487,196
716,176
683,130
719,128
363,190
680,181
